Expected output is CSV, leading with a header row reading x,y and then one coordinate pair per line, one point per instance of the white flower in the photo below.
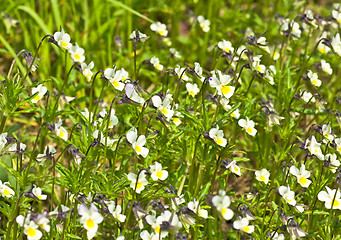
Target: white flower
x,y
116,78
287,194
176,120
160,28
49,151
192,89
234,168
256,64
175,53
222,202
38,193
248,126
262,44
97,134
336,44
314,79
195,207
137,143
181,72
3,140
277,236
220,82
295,28
138,36
43,222
204,23
31,231
327,133
90,218
157,172
163,106
263,175
145,235
326,67
132,94
334,163
226,46
328,198
41,90
138,184
156,63
218,136
63,39
243,224
86,70
314,148
5,190
116,211
302,175
14,147
338,144
337,15
77,53
225,103
113,120
198,71
306,96
60,131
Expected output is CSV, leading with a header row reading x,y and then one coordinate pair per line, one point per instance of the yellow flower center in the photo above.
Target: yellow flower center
x,y
61,134
233,114
161,32
6,192
115,83
322,50
225,89
164,111
314,82
259,68
336,203
176,119
339,149
246,229
36,98
288,200
303,180
40,197
191,93
219,141
159,174
223,211
138,149
64,44
249,130
227,49
157,229
90,223
262,178
31,232
77,56
138,185
235,169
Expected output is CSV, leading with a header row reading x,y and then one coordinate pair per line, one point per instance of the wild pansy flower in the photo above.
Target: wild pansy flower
x,y
336,44
160,28
156,63
157,173
338,144
248,126
181,72
138,184
328,197
86,70
256,64
226,46
294,26
116,211
218,136
262,44
225,103
132,94
164,106
307,96
174,53
63,39
204,23
37,192
48,154
19,150
327,133
243,225
77,53
30,227
195,207
192,89
145,235
41,90
276,236
337,16
198,71
326,67
60,131
314,79
220,82
90,218
116,78
137,142
232,166
334,164
262,175
138,36
5,190
3,140
302,175
314,148
287,194
100,136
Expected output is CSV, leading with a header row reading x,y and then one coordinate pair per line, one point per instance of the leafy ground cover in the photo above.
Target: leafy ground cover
x,y
170,120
